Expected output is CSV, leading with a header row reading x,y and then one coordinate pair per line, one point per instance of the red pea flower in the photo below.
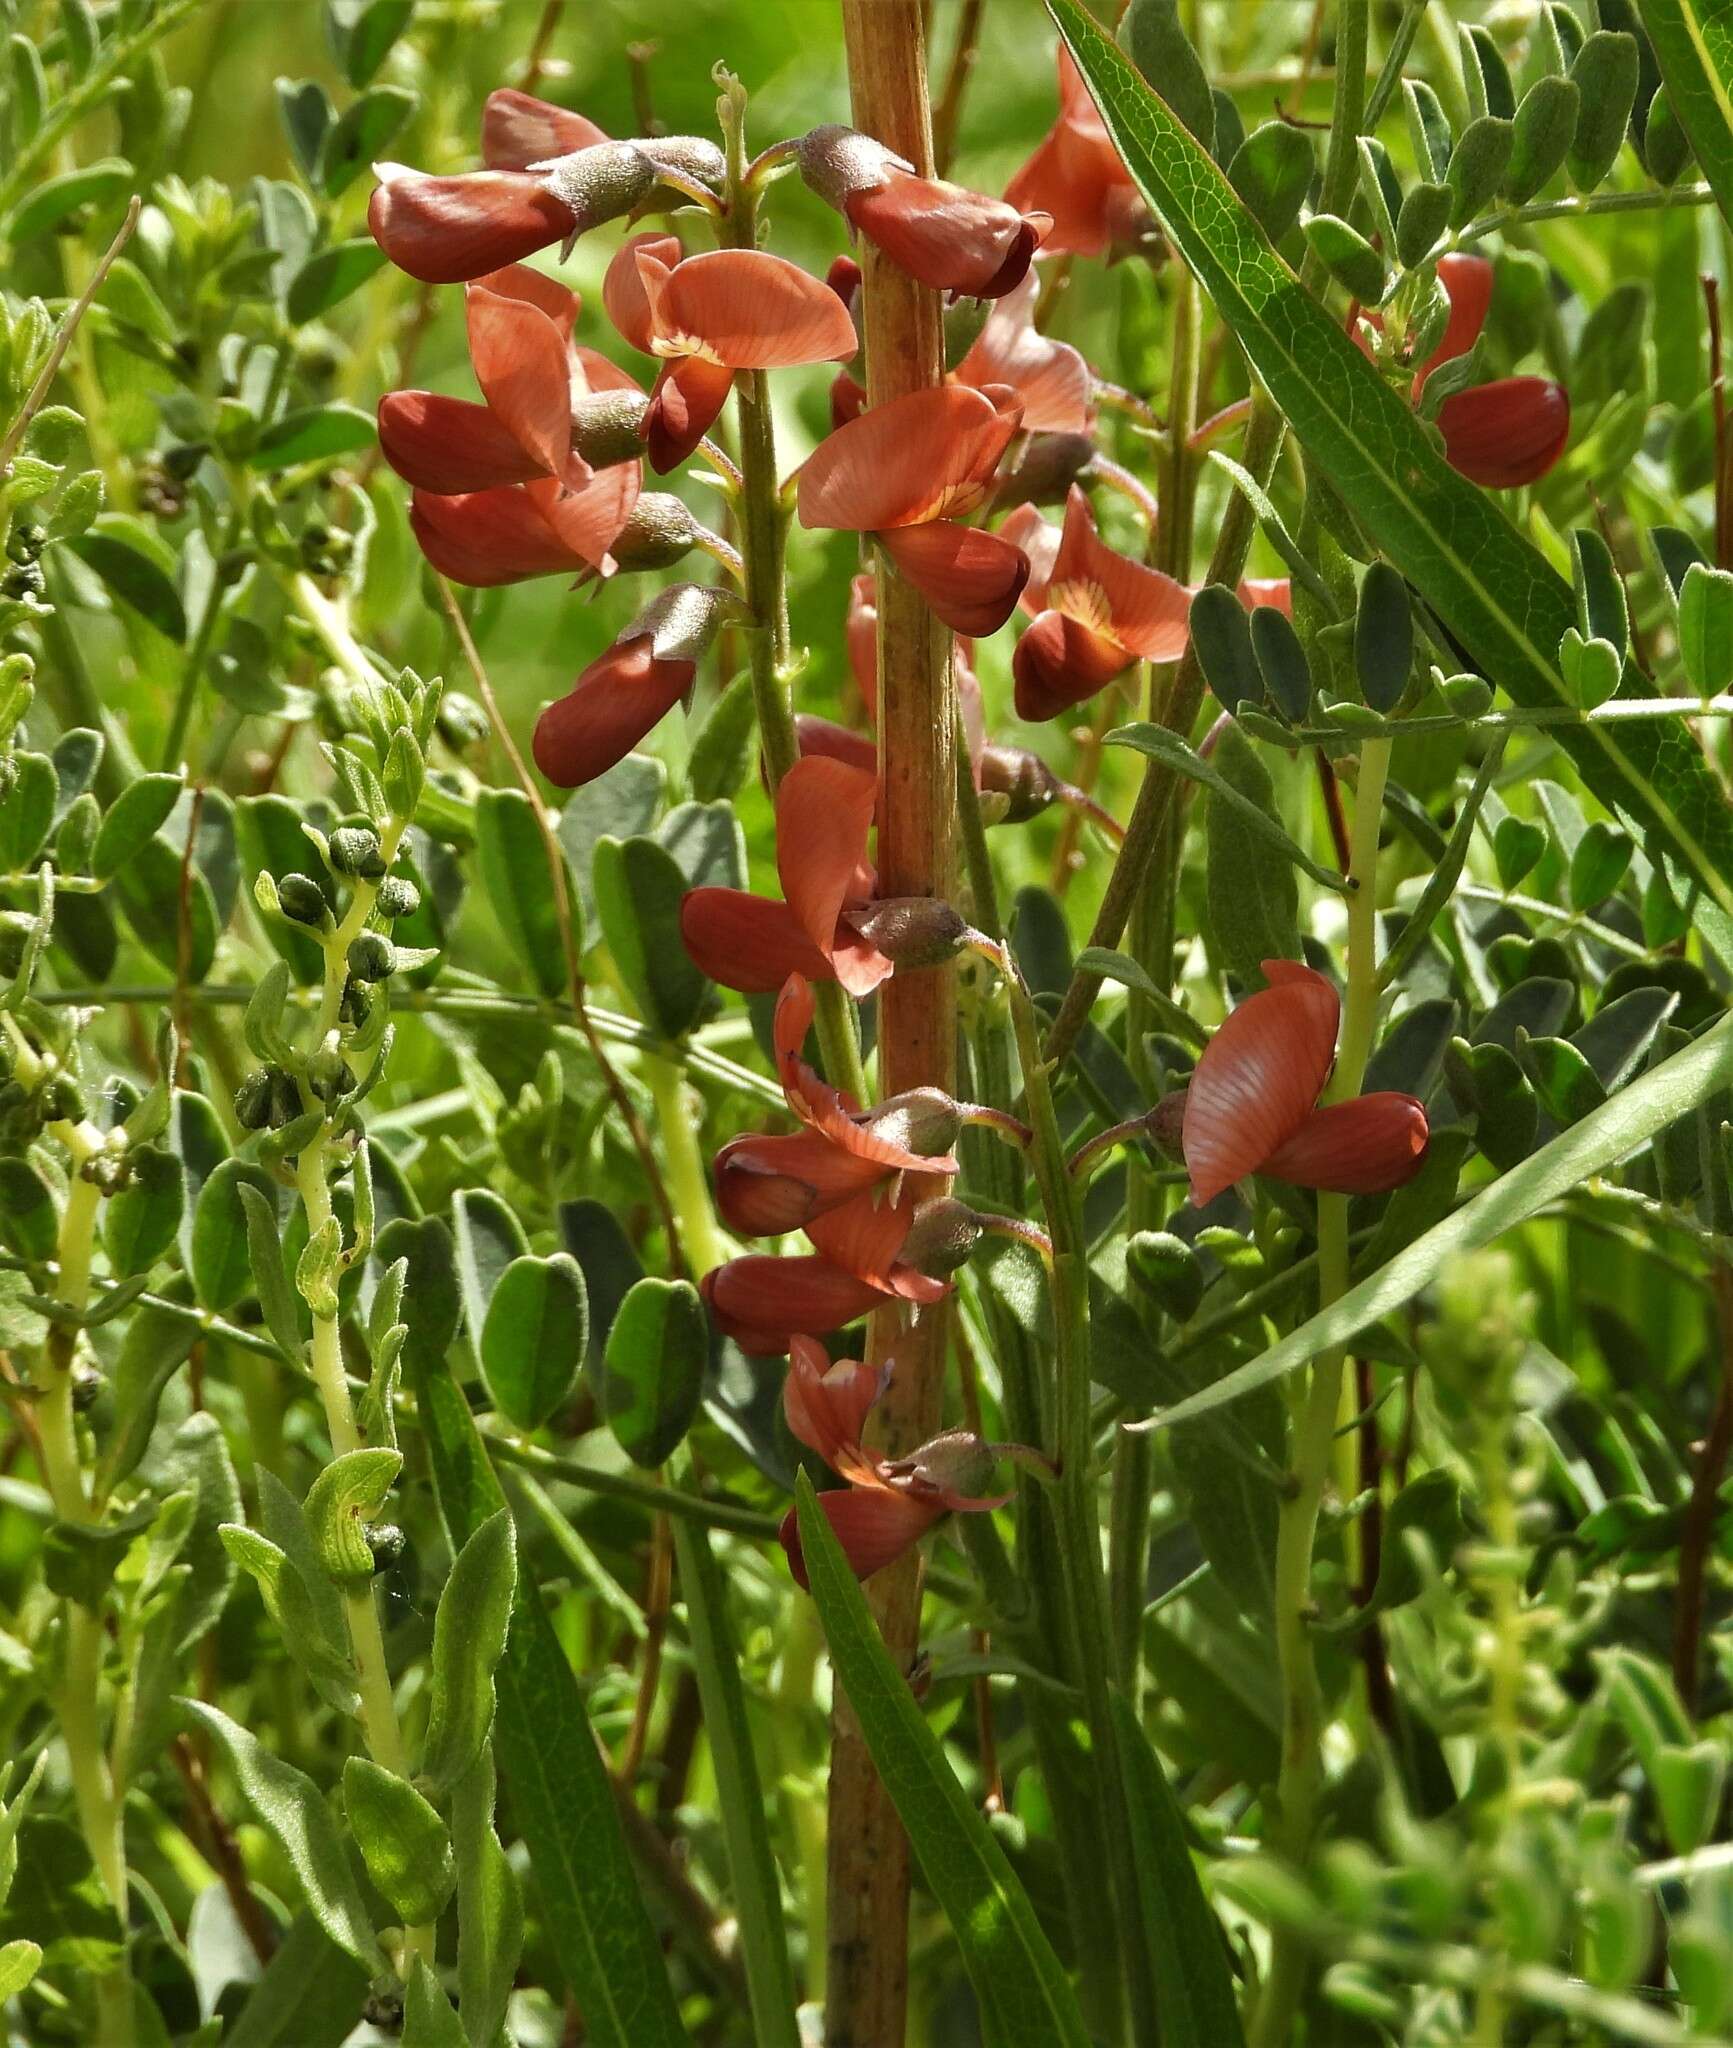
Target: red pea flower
x,y
710,315
824,811
1251,1106
904,472
533,378
889,1504
1077,176
1502,434
1053,383
766,1185
944,235
1098,612
518,130
632,687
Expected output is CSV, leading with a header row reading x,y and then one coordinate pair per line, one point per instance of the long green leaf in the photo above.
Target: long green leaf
x,y
542,1736
1500,597
1024,1994
1693,42
1621,1124
757,1894
1194,1987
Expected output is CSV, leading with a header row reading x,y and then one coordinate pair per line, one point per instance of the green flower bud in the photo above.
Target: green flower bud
x,y
398,897
372,956
330,1075
303,900
63,1100
355,851
253,1099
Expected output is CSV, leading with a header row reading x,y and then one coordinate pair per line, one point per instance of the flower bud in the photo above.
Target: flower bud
x,y
62,1100
941,1236
461,721
372,957
398,897
329,1074
253,1099
659,532
1026,782
355,851
286,1104
302,899
923,1120
911,931
1050,465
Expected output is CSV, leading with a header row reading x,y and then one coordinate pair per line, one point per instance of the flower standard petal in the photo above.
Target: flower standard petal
x,y
1257,1079
1050,378
588,520
824,811
518,130
751,311
929,455
450,445
749,943
827,1405
536,288
1145,611
524,369
830,1111
1363,1147
614,703
971,578
448,230
840,742
624,298
1506,433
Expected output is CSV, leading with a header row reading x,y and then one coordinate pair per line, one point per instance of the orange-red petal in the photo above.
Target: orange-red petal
x,y
588,520
929,455
749,943
874,1525
1276,591
946,236
623,295
767,1185
824,811
1050,377
690,392
750,310
612,705
763,1302
484,538
1467,281
1038,539
450,445
863,640
971,578
518,130
1506,433
1146,611
840,742
448,230
524,369
1363,1147
1256,1081
1059,662
827,1405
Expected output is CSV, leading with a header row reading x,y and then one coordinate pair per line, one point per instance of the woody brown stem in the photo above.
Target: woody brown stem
x,y
867,1986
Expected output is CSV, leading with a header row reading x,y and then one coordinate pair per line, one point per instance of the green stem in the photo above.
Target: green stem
x,y
331,622
1313,1421
688,1184
1652,200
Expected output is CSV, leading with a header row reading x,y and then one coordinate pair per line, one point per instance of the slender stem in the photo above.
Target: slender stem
x,y
948,114
688,1185
39,390
1313,1421
1652,200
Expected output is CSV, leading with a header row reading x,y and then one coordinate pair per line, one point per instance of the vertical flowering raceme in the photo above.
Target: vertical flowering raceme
x,y
1504,433
889,1504
1251,1104
905,472
710,315
632,687
1077,177
1097,612
942,234
550,177
824,812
